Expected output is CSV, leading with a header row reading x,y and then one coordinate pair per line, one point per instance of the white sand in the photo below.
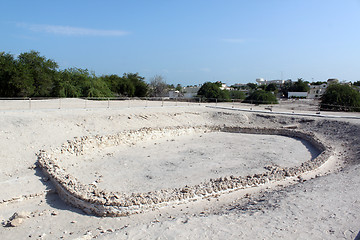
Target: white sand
x,y
185,160
325,207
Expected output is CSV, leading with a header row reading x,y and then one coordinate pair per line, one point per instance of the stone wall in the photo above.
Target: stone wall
x,y
96,201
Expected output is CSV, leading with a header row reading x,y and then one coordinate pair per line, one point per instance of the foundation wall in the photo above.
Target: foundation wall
x,y
96,201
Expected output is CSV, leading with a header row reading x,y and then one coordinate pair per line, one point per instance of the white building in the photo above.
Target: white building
x,y
332,80
174,94
261,81
277,82
225,87
316,91
239,85
190,92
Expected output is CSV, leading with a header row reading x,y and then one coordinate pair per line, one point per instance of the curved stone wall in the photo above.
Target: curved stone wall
x,y
99,202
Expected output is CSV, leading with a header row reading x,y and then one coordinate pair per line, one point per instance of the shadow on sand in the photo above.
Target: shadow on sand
x,y
311,148
357,236
52,197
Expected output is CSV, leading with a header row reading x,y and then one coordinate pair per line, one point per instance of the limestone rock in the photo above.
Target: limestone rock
x,y
17,219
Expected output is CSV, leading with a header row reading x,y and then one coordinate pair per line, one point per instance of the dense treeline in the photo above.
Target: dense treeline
x,y
211,92
32,75
261,97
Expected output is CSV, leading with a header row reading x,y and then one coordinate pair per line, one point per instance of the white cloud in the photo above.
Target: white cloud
x,y
71,31
233,40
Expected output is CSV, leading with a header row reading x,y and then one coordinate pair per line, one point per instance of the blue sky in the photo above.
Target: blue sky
x,y
191,42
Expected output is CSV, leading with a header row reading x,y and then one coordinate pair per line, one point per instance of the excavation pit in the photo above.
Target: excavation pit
x,y
133,171
172,162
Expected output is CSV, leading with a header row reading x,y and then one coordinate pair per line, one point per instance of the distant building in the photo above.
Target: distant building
x,y
316,91
261,81
225,87
332,80
240,85
190,92
175,94
277,82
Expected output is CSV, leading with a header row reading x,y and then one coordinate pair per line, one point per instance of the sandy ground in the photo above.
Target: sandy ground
x,y
185,160
323,205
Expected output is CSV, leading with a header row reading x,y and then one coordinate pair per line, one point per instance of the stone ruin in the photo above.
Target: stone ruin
x,y
93,200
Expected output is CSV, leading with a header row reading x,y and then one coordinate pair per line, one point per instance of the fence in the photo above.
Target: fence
x,y
91,103
113,103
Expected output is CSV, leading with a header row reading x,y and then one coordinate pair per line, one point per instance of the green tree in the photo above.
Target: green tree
x,y
141,88
43,72
79,78
340,97
357,83
77,82
271,87
15,79
235,94
126,88
261,97
261,87
97,88
34,75
318,83
66,85
93,86
212,92
299,86
252,86
7,74
179,87
119,85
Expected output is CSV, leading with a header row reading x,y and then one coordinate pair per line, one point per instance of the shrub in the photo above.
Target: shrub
x,y
212,92
340,97
261,97
271,87
235,94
